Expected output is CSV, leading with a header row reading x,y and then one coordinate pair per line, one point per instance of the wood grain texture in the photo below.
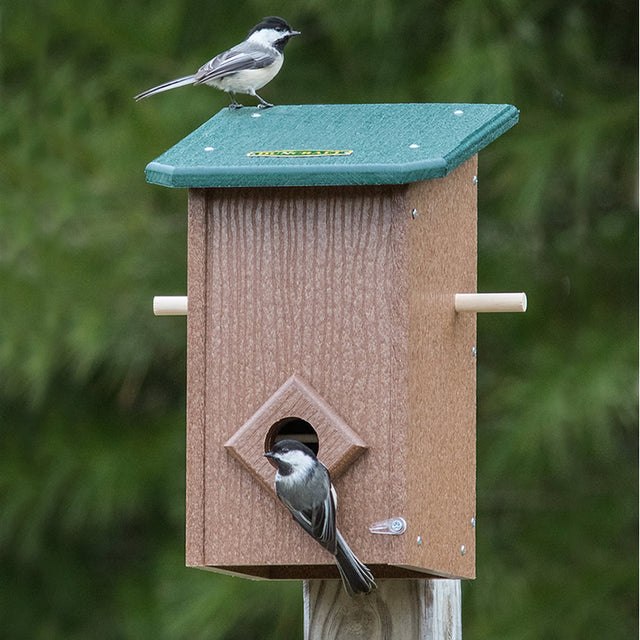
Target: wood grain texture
x,y
298,282
344,288
397,610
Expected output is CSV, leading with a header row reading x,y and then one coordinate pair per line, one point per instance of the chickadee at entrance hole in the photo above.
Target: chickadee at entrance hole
x,y
292,428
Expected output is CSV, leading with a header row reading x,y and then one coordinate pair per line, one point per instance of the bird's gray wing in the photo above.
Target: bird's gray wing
x,y
319,521
239,58
323,521
322,516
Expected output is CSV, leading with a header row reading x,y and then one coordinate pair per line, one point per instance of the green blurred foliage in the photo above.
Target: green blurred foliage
x,y
92,385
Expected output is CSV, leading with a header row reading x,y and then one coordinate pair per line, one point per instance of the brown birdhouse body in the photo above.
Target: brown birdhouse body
x,y
328,309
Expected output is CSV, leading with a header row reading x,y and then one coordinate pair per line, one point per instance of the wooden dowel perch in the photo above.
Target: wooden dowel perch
x,y
170,305
464,302
491,302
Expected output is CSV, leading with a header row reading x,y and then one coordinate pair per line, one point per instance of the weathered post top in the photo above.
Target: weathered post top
x,y
340,144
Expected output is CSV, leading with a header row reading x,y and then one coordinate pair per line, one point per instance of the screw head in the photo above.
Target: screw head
x,y
463,550
419,540
473,522
414,213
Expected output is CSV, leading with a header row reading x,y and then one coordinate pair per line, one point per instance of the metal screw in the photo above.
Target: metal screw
x,y
474,353
414,213
396,525
473,522
419,540
463,549
475,179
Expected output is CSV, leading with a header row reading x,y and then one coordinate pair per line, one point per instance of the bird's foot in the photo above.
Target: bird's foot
x,y
265,105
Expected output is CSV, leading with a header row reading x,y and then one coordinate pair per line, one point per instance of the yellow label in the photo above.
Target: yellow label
x,y
300,153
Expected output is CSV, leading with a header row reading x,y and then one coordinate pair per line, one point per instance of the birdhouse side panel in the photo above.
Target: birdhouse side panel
x,y
442,374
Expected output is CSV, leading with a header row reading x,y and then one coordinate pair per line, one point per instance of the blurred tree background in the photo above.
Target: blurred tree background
x,y
92,393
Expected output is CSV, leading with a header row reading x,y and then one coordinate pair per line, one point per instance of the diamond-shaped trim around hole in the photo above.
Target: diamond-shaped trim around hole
x,y
339,445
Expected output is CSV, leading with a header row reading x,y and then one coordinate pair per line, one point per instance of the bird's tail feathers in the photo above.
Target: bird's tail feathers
x,y
356,576
172,84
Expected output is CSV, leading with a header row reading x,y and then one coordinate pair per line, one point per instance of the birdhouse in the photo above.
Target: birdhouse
x,y
331,298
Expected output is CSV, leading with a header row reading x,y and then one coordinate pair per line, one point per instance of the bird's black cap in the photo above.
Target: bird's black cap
x,y
282,446
272,22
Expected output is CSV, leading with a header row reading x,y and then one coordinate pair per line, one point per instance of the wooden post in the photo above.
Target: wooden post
x,y
397,610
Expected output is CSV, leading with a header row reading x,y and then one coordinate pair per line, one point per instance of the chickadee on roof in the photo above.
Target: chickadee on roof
x,y
245,68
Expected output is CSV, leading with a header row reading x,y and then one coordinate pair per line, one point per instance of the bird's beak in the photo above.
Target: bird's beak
x,y
269,455
295,33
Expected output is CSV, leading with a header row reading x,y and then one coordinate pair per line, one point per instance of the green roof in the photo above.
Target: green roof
x,y
339,144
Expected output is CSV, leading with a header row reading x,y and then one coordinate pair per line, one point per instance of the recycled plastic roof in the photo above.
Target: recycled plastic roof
x,y
338,144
